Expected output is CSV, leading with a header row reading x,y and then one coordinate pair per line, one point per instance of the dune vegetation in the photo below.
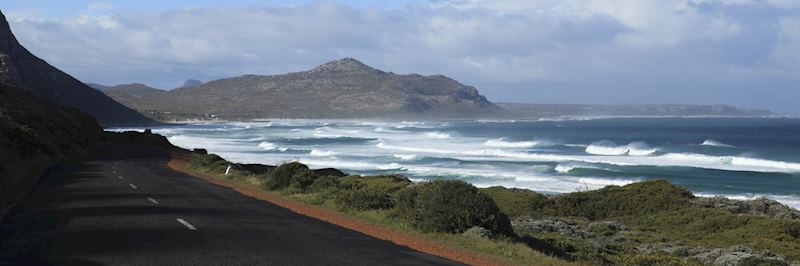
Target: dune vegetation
x,y
646,223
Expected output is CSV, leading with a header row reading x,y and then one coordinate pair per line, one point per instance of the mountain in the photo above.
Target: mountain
x,y
20,68
344,88
126,93
191,83
526,110
131,90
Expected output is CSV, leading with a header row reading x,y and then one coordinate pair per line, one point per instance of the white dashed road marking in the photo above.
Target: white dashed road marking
x,y
187,224
120,177
153,201
133,186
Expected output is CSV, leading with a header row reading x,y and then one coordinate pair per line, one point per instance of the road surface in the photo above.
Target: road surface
x,y
126,207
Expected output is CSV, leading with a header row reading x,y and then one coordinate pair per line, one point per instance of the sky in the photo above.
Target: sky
x,y
739,52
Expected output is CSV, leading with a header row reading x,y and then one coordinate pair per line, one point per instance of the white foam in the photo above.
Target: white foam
x,y
406,157
711,142
319,153
609,148
352,165
510,144
606,182
437,135
565,168
267,146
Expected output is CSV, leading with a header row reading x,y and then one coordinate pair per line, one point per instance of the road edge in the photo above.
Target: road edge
x,y
178,162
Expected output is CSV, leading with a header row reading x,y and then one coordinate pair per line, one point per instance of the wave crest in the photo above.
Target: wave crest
x,y
510,144
610,148
320,153
437,135
714,143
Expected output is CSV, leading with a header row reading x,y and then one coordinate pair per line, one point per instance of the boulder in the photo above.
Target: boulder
x,y
551,225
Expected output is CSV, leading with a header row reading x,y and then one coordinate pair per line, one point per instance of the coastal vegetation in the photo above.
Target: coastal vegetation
x,y
34,135
645,223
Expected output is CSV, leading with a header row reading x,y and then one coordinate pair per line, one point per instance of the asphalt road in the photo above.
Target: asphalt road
x,y
126,207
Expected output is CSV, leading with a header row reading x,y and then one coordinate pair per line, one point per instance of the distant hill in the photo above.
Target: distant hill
x,y
344,88
127,93
553,110
191,83
20,68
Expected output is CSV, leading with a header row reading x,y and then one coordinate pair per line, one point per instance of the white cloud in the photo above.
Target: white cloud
x,y
595,47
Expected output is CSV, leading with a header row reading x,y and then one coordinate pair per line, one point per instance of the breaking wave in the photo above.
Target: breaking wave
x,y
714,143
510,144
610,148
319,153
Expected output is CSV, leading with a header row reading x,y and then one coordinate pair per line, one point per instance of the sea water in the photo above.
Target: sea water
x,y
741,158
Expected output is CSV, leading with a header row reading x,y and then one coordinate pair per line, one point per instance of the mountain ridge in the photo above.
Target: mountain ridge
x,y
21,68
342,88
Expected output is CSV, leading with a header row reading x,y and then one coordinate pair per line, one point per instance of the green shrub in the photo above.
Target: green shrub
x,y
292,174
517,202
325,183
478,232
209,162
363,199
451,206
793,230
614,201
654,260
574,248
387,183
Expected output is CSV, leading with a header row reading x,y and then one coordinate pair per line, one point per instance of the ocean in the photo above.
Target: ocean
x,y
741,158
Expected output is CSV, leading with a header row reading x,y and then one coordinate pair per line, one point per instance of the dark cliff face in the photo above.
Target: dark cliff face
x,y
344,88
18,67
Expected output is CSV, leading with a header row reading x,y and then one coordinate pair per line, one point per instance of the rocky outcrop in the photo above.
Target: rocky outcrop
x,y
552,225
757,207
344,88
730,256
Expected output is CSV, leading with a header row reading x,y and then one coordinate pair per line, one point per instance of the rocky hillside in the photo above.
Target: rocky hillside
x,y
344,88
552,110
18,67
127,93
33,134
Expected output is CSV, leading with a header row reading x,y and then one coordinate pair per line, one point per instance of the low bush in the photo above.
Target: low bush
x,y
325,183
517,202
294,174
614,201
363,199
209,162
654,260
387,183
793,230
450,206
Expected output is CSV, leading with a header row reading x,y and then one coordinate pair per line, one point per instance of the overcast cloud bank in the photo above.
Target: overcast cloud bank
x,y
742,52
